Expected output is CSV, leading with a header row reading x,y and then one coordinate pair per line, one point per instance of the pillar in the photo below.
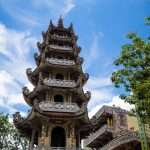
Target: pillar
x,y
31,144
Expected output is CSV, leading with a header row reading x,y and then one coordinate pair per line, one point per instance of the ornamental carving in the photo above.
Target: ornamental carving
x,y
36,55
17,117
60,61
61,36
65,48
29,70
88,94
86,75
25,90
59,83
80,60
59,107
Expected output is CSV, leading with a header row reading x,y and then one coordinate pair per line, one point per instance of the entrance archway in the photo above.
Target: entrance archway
x,y
58,137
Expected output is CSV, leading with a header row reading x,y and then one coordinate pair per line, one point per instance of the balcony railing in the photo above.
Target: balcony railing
x,y
53,148
60,36
123,139
64,48
59,107
98,133
60,61
59,83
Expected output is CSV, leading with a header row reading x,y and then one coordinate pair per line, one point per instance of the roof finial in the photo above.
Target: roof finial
x,y
60,22
60,16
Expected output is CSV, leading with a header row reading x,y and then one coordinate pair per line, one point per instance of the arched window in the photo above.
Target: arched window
x,y
60,44
58,137
58,98
60,34
59,76
60,57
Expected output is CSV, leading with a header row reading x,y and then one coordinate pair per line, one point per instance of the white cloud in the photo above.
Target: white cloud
x,y
101,90
10,92
33,14
93,53
115,101
55,7
16,47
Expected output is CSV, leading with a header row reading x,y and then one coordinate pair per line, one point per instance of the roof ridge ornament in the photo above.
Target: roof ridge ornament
x,y
60,22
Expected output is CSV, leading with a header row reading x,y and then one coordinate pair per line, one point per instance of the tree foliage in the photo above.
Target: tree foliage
x,y
134,73
10,137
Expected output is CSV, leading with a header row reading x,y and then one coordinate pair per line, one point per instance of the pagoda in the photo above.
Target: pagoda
x,y
58,118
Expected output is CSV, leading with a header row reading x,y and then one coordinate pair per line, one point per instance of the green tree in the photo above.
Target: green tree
x,y
134,74
10,137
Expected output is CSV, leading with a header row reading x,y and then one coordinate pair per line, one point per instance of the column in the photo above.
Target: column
x,y
43,135
79,140
31,144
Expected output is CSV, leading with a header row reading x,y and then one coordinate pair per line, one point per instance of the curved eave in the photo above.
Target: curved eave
x,y
32,79
82,95
69,30
84,76
37,59
28,97
68,39
27,100
74,51
41,46
62,115
34,75
25,121
58,87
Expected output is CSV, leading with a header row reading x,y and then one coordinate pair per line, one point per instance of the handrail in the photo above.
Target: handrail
x,y
59,83
59,106
60,47
96,134
60,61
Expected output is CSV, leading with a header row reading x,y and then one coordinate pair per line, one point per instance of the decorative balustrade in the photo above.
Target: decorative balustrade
x,y
98,133
59,83
52,148
65,48
59,107
123,139
60,61
60,36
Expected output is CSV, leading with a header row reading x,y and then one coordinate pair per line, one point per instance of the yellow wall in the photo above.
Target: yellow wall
x,y
132,123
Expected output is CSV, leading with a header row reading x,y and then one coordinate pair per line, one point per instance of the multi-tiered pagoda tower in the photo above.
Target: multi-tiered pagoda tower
x,y
58,117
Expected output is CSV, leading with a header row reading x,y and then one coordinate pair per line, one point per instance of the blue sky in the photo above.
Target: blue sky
x,y
101,26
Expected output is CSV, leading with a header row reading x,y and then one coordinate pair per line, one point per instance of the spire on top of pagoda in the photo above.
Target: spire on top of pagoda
x,y
60,22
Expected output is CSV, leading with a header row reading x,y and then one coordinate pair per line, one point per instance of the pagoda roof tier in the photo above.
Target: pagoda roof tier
x,y
60,27
46,47
30,96
28,123
57,112
50,63
62,38
35,118
104,112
